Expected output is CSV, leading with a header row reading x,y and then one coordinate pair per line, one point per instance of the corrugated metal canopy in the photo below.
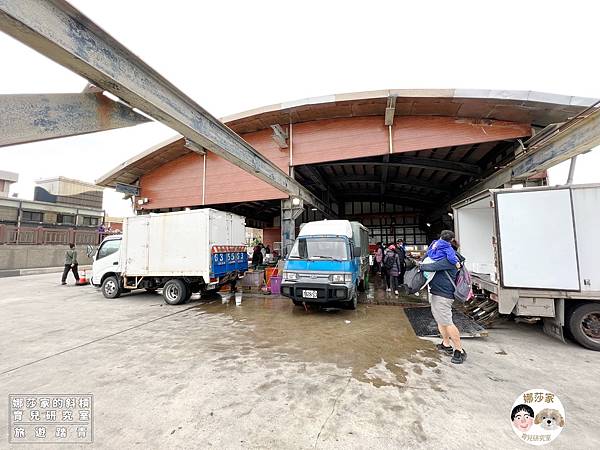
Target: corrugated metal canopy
x,y
538,109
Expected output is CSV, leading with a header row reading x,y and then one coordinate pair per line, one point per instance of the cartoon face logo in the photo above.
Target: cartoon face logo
x,y
549,419
522,417
537,417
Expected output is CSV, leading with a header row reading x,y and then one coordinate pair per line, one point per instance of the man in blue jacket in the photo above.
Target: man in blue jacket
x,y
441,299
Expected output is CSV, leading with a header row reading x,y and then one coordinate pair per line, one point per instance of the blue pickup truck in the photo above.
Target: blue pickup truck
x,y
328,263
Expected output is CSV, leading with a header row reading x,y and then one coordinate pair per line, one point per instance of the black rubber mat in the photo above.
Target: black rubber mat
x,y
424,324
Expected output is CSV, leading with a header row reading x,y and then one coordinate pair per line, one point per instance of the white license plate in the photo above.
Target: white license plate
x,y
309,294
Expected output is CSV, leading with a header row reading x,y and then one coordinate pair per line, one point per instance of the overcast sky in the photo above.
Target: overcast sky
x,y
231,56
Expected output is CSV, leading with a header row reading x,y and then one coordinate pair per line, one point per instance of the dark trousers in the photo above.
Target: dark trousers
x,y
386,276
375,267
401,276
394,282
66,272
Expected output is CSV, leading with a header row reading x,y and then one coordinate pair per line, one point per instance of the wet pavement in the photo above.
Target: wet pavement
x,y
360,340
266,374
376,294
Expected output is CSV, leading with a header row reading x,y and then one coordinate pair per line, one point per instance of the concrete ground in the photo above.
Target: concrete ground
x,y
268,375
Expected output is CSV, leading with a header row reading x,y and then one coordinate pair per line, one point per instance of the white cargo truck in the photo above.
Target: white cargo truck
x,y
536,252
181,253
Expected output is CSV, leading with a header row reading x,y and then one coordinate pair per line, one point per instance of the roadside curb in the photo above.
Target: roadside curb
x,y
36,271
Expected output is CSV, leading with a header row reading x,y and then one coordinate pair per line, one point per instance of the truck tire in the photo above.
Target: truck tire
x,y
110,287
353,303
175,292
584,325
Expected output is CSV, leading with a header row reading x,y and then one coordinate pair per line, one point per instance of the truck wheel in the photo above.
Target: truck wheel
x,y
584,325
353,303
175,292
110,287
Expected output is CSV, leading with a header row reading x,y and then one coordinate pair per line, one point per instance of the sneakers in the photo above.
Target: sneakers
x,y
396,292
459,357
63,283
388,290
442,348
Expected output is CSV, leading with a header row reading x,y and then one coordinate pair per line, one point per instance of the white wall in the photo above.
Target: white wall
x,y
34,256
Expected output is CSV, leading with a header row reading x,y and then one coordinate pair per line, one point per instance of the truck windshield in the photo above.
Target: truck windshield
x,y
320,248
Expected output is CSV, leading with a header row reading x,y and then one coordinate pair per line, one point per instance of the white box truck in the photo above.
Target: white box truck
x,y
181,253
536,252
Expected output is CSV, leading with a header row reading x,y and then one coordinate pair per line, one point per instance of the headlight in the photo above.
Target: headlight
x,y
340,278
290,276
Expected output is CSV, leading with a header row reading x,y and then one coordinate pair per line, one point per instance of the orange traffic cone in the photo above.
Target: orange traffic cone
x,y
83,280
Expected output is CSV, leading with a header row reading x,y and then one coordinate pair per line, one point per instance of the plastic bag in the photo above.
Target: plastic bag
x,y
415,280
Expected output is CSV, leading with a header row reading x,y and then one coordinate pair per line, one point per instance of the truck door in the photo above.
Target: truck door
x,y
106,260
537,239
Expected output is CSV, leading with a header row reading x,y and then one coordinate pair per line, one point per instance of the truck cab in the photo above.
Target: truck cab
x,y
327,264
107,262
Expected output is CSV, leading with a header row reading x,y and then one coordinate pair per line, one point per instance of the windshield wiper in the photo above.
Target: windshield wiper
x,y
325,257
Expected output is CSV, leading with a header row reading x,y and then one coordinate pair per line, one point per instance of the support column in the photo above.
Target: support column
x,y
572,170
204,179
289,213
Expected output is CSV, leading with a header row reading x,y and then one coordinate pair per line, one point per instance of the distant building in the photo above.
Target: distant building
x,y
113,223
58,202
69,192
6,179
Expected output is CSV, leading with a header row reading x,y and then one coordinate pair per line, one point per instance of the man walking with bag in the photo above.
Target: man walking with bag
x,y
70,264
441,298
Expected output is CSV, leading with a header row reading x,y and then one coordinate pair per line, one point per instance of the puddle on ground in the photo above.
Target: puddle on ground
x,y
376,342
377,295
